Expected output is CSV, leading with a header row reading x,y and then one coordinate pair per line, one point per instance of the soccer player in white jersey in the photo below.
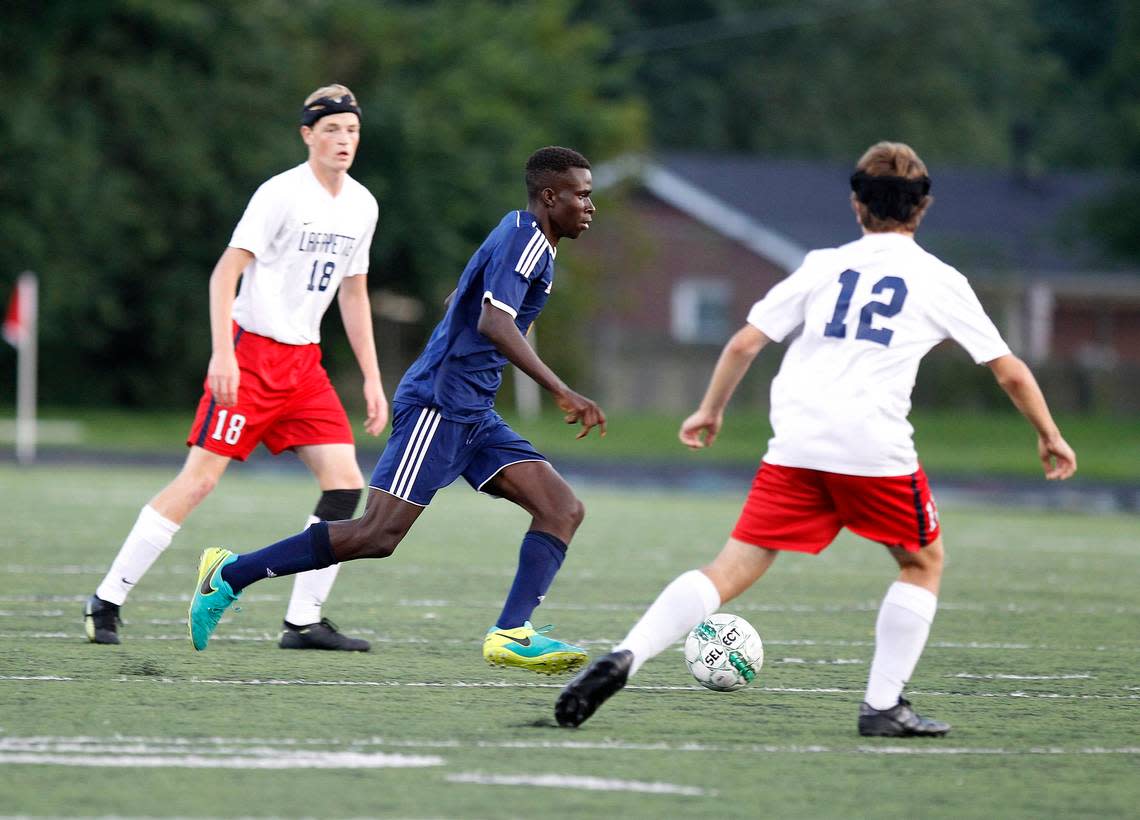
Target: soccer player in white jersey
x,y
304,238
841,454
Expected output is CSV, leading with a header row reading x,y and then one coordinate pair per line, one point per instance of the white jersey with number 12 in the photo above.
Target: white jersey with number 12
x,y
866,313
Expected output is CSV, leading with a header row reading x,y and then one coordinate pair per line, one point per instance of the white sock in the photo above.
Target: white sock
x,y
900,635
687,601
310,591
151,534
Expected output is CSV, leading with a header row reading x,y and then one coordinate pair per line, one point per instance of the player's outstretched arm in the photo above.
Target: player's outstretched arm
x,y
1014,377
356,314
222,374
701,428
498,326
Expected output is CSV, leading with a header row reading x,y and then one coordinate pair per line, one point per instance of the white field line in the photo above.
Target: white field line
x,y
577,782
1007,608
229,748
256,634
35,677
970,676
307,760
394,684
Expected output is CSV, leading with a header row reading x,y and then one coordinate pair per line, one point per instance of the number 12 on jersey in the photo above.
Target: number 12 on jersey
x,y
837,327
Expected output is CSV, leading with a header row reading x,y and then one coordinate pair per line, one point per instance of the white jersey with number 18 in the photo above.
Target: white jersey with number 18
x,y
866,313
304,242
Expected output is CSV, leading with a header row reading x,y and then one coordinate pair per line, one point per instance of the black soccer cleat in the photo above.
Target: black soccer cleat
x,y
898,721
593,686
323,635
101,620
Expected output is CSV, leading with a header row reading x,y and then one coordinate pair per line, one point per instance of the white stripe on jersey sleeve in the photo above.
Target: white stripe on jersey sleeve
x,y
532,247
503,306
536,255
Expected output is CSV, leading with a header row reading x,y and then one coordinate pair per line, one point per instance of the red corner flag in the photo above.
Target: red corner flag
x,y
15,329
19,329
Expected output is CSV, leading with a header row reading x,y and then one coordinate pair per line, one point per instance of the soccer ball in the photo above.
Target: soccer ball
x,y
724,652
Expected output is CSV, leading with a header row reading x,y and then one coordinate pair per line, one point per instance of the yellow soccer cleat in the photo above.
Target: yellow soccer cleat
x,y
525,647
212,595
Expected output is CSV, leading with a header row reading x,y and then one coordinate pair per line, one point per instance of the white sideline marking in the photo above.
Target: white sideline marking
x,y
304,760
562,781
1007,608
228,748
521,685
797,690
970,676
258,634
33,677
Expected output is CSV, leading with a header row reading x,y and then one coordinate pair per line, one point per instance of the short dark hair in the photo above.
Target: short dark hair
x,y
547,162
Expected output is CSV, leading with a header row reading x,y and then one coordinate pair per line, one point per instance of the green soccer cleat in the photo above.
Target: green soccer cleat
x,y
212,595
525,647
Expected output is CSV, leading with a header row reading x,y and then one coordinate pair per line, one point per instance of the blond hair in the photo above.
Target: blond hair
x,y
336,91
892,159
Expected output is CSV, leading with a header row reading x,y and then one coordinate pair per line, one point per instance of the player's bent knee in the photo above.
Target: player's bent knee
x,y
565,518
577,513
923,567
375,550
367,542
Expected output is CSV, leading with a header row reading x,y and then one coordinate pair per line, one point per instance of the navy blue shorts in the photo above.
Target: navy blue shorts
x,y
426,452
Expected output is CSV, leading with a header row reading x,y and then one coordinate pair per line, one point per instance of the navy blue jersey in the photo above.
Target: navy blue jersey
x,y
460,370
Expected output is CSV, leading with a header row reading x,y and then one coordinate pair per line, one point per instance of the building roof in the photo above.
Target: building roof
x,y
982,220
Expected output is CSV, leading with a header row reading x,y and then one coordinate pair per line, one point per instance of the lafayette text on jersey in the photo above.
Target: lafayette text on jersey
x,y
867,313
304,242
460,370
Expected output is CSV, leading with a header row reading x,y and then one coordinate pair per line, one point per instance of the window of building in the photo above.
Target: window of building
x,y
700,309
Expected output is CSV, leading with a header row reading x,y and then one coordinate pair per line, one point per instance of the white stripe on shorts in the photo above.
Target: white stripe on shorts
x,y
420,458
414,453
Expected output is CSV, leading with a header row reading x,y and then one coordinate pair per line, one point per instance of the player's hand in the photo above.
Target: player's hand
x,y
223,376
700,429
376,407
1057,457
581,410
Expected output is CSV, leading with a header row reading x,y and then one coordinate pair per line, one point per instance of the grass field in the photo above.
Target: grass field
x,y
951,442
1033,658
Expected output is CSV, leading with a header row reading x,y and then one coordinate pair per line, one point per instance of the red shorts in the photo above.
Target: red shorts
x,y
792,508
285,400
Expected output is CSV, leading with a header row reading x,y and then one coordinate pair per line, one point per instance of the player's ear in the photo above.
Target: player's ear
x,y
549,195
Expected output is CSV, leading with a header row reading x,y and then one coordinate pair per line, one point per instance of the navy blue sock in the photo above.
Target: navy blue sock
x,y
307,550
540,556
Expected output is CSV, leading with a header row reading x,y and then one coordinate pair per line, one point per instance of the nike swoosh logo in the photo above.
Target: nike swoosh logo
x,y
128,583
519,641
207,582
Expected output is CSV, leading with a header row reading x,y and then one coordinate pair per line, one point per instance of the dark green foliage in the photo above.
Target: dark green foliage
x,y
1029,84
135,132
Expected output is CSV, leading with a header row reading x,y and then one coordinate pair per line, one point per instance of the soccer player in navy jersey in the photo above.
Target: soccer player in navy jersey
x,y
445,426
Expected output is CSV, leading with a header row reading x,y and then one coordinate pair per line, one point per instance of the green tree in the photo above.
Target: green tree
x,y
136,130
823,79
